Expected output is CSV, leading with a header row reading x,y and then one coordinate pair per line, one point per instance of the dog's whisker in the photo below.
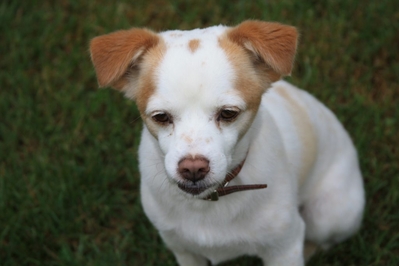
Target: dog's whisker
x,y
135,120
163,184
163,180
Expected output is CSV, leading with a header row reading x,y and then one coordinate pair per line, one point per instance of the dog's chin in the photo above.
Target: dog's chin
x,y
195,189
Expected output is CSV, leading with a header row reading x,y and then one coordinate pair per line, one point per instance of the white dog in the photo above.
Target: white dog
x,y
217,131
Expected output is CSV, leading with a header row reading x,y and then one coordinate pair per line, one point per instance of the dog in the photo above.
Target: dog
x,y
233,160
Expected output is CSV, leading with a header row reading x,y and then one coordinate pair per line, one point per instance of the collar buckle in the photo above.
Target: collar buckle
x,y
214,196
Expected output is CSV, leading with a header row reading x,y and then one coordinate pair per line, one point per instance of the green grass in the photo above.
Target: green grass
x,y
68,168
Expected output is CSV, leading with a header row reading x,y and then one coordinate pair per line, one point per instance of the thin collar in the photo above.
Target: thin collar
x,y
224,189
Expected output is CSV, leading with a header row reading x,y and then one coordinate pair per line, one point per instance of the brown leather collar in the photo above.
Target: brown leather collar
x,y
223,189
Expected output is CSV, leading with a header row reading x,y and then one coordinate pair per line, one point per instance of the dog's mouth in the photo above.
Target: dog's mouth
x,y
194,188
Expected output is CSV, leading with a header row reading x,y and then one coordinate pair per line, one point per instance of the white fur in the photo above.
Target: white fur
x,y
316,195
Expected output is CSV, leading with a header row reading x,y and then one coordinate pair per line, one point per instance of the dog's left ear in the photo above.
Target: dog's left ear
x,y
273,43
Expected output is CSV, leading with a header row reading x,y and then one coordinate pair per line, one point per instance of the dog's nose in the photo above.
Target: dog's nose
x,y
194,169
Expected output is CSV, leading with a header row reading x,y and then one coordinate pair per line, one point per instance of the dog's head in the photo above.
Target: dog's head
x,y
197,91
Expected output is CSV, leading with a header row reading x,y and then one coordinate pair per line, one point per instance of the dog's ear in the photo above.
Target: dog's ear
x,y
272,43
115,53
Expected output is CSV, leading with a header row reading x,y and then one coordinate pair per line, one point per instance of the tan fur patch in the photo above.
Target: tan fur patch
x,y
146,79
247,82
305,132
260,53
193,45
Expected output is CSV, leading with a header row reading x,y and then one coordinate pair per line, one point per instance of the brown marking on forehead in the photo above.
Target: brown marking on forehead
x,y
187,138
193,45
306,134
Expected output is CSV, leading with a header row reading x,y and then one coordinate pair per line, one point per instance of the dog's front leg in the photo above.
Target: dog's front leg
x,y
182,255
189,259
290,250
292,257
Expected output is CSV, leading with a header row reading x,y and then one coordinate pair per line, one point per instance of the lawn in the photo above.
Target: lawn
x,y
68,166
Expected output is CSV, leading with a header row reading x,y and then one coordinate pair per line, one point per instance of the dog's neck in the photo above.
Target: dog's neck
x,y
224,189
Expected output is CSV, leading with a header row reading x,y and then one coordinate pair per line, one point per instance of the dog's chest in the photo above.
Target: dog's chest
x,y
218,238
220,253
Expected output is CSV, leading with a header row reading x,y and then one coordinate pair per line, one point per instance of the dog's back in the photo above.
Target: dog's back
x,y
322,155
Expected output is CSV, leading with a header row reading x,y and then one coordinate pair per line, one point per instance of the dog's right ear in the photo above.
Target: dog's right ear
x,y
115,53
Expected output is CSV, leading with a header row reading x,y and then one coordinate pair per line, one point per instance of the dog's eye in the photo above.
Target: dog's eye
x,y
162,118
228,115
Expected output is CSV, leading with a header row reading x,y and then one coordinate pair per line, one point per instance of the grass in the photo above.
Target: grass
x,y
68,167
